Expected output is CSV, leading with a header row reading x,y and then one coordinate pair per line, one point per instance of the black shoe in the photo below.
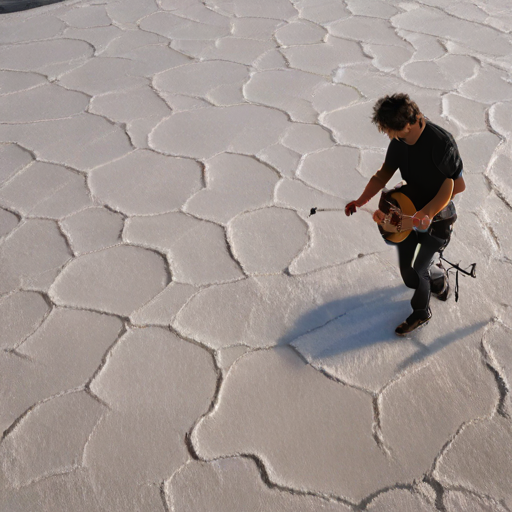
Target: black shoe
x,y
445,293
440,286
438,283
412,322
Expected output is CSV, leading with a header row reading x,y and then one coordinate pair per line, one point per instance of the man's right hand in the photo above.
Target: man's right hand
x,y
379,216
352,207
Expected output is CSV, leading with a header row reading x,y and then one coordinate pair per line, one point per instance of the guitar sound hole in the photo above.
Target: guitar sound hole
x,y
396,218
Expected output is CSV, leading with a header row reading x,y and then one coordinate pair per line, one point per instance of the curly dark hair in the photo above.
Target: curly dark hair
x,y
394,112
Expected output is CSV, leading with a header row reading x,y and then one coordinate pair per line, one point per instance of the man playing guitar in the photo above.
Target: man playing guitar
x,y
429,161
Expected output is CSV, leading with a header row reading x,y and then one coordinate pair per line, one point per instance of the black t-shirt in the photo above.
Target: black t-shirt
x,y
426,164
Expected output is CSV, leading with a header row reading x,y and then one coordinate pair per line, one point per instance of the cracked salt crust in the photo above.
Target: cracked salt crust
x,y
235,184
298,305
101,75
330,97
278,9
296,194
256,238
93,229
478,150
448,73
288,377
141,109
163,308
77,413
175,384
321,170
57,191
430,420
236,476
371,8
471,115
48,253
35,56
236,49
322,11
96,140
476,442
350,127
258,98
273,59
255,28
81,338
401,499
175,27
476,38
300,32
197,249
109,280
8,221
499,177
13,81
305,138
200,78
499,114
498,216
152,59
207,132
123,13
465,500
356,355
388,59
86,17
130,40
326,249
478,191
24,30
226,357
100,37
425,47
20,314
59,493
151,183
368,30
286,90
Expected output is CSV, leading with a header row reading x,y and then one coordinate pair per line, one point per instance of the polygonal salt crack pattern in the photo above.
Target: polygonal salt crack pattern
x,y
109,280
46,190
77,413
177,332
49,102
151,183
197,249
236,184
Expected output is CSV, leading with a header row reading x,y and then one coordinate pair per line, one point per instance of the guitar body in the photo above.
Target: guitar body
x,y
399,209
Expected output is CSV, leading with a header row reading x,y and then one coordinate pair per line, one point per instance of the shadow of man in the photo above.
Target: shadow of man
x,y
359,346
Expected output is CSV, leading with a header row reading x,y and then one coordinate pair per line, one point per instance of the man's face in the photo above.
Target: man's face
x,y
397,134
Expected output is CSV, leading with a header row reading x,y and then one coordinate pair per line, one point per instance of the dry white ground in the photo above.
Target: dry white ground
x,y
176,333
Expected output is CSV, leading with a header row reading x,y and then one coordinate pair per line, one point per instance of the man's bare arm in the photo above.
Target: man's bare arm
x,y
459,185
441,199
377,182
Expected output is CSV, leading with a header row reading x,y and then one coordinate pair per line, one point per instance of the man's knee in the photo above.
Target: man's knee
x,y
410,277
422,269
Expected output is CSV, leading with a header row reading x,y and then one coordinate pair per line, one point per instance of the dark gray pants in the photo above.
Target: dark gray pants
x,y
416,271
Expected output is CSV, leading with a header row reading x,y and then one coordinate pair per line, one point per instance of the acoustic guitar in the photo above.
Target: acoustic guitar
x,y
399,210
